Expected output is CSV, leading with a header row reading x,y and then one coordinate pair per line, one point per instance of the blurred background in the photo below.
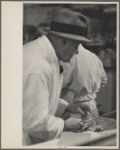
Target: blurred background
x,y
101,31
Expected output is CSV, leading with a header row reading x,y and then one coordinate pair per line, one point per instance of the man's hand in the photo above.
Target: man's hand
x,y
84,106
78,108
73,124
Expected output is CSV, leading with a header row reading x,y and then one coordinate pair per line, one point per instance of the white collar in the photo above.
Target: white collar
x,y
51,49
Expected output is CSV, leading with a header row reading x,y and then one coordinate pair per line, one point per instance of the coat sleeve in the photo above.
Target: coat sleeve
x,y
61,108
37,121
102,74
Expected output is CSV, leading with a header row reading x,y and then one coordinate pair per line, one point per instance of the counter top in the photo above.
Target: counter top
x,y
107,137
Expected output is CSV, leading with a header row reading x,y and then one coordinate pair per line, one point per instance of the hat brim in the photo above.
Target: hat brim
x,y
68,36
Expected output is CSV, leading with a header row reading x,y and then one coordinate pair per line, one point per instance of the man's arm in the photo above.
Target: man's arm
x,y
36,119
103,74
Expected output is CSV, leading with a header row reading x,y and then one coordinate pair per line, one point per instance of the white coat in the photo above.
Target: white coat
x,y
42,83
84,74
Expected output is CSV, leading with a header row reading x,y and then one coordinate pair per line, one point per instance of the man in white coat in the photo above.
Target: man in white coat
x,y
42,80
82,79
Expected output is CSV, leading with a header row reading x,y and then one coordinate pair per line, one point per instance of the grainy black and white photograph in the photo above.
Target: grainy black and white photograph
x,y
69,75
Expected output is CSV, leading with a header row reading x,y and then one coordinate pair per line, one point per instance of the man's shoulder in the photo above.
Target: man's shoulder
x,y
33,44
86,51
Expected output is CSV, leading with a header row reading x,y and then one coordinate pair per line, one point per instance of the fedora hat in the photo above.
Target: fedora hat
x,y
69,24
